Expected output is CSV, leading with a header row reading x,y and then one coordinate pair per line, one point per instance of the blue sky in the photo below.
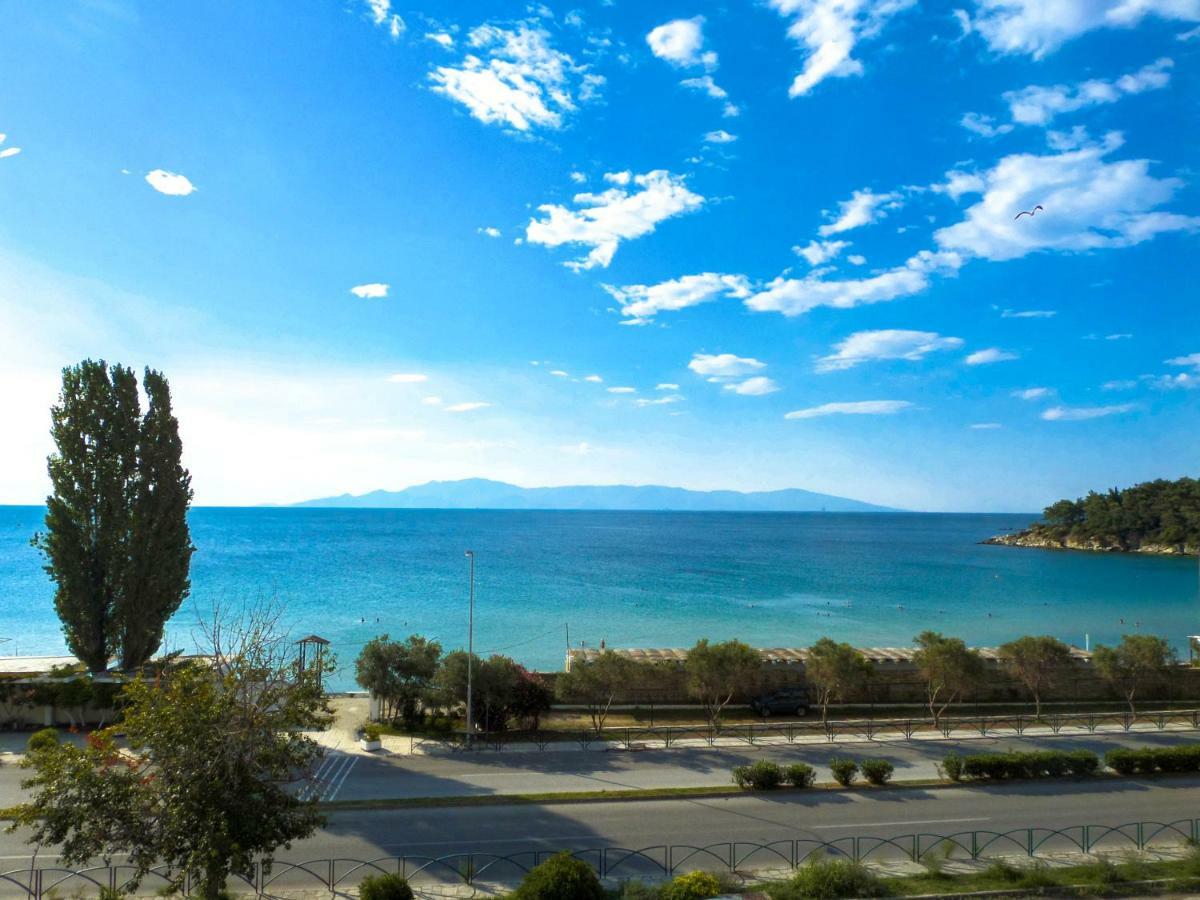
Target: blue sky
x,y
756,245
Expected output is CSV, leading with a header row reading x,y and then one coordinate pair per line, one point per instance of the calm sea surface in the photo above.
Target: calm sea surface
x,y
634,579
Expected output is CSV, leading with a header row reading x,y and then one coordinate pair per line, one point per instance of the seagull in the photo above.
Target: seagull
x,y
1027,212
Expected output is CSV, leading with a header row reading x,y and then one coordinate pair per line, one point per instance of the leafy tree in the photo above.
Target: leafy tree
x,y
399,673
949,668
499,690
531,698
116,542
1140,660
834,670
596,683
203,784
716,672
1036,661
1154,512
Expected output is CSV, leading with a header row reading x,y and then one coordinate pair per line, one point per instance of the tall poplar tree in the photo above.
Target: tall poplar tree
x,y
116,540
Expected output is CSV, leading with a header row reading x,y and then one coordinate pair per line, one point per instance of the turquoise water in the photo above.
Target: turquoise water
x,y
635,579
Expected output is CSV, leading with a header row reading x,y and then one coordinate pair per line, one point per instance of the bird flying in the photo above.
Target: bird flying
x,y
1027,212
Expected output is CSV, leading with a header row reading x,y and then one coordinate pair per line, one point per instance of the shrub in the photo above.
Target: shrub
x,y
800,775
1083,762
1037,876
636,890
691,886
388,886
829,880
43,739
1123,762
952,765
1003,870
1154,759
1102,871
1033,764
763,775
844,771
561,877
372,732
877,771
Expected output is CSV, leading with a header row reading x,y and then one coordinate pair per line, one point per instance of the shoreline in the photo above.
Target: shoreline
x,y
1039,539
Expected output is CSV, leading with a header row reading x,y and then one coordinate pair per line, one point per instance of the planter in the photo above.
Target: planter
x,y
370,745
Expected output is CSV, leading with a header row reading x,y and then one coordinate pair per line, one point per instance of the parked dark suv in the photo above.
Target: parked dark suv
x,y
785,701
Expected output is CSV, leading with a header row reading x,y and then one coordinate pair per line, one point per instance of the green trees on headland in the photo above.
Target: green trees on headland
x,y
1155,512
116,542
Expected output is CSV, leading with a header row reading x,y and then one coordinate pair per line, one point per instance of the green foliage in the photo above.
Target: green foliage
x,y
1152,760
636,890
42,739
877,771
1154,512
371,732
949,669
561,877
502,690
844,771
834,670
691,886
828,880
1030,764
716,672
1139,661
399,674
1036,661
116,542
597,682
762,775
204,784
952,765
800,775
386,886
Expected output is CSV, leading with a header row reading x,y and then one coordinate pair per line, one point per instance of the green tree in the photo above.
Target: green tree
x,y
116,542
1139,661
596,683
834,670
716,672
949,668
1036,661
399,673
496,691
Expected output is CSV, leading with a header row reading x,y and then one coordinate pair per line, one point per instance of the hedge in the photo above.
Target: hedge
x,y
1154,759
763,775
1015,764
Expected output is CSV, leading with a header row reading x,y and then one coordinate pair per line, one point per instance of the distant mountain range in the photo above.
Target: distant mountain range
x,y
480,493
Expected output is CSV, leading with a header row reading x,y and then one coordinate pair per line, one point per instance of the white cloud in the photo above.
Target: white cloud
x,y
1038,105
856,408
1035,393
382,15
856,259
374,289
829,30
518,80
1124,384
681,43
1192,359
753,387
489,231
986,426
818,252
466,407
622,390
865,346
720,136
705,84
1081,413
658,401
170,183
863,208
1190,35
442,39
641,302
795,296
603,220
984,125
1039,27
724,366
1088,204
408,378
594,379
1183,380
578,177
1028,313
1124,336
989,356
432,400
666,386
13,151
559,373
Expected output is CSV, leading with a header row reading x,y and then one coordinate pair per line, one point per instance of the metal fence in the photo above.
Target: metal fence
x,y
648,863
752,733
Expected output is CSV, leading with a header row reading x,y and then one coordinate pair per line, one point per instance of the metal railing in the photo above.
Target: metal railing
x,y
752,733
649,863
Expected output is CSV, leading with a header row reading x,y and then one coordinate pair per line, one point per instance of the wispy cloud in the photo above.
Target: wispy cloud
x,y
642,302
989,356
382,15
884,344
408,378
1033,393
854,408
1082,413
863,208
753,387
467,407
373,289
714,366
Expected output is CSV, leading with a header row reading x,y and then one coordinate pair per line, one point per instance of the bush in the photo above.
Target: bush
x,y
44,739
691,886
800,775
1032,764
829,880
372,732
952,765
844,771
1154,759
763,775
389,886
877,771
561,877
636,890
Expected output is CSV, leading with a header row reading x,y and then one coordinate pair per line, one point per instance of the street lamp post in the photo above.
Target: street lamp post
x,y
470,648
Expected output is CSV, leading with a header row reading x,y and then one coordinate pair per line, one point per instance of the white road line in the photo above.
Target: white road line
x,y
902,822
323,786
332,791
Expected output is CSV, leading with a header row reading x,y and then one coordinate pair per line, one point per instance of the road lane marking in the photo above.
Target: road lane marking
x,y
332,792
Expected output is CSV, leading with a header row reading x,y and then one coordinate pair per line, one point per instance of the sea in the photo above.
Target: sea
x,y
546,580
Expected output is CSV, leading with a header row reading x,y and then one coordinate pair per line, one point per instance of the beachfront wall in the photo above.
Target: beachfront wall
x,y
895,681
